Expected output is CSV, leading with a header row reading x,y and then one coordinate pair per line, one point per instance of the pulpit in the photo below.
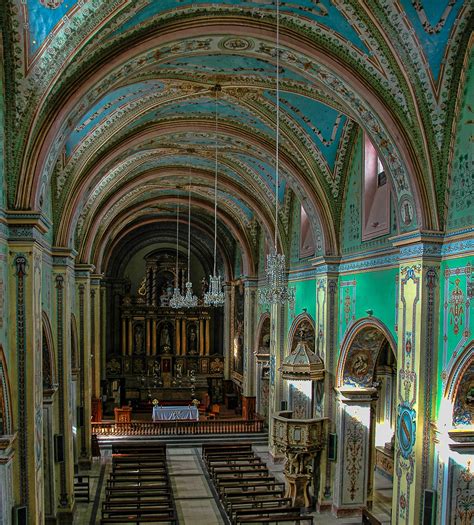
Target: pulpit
x,y
299,440
123,415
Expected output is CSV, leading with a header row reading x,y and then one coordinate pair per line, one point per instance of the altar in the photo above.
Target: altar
x,y
170,413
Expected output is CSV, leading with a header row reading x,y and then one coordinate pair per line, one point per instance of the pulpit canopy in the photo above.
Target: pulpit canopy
x,y
303,364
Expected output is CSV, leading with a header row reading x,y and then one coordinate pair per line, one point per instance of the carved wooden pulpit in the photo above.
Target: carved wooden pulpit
x,y
299,440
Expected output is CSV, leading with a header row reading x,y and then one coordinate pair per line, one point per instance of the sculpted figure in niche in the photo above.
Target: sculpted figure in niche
x,y
165,340
192,340
138,339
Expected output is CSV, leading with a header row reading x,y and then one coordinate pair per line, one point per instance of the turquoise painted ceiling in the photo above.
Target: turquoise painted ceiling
x,y
152,109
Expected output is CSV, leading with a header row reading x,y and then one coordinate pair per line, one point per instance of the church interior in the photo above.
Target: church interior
x,y
236,262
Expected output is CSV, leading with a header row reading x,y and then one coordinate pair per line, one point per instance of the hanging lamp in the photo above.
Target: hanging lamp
x,y
189,300
215,296
277,292
176,300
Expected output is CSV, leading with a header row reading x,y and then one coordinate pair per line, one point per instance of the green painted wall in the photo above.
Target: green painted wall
x,y
305,299
372,290
456,323
461,191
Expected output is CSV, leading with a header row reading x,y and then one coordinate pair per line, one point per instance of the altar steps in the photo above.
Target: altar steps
x,y
261,438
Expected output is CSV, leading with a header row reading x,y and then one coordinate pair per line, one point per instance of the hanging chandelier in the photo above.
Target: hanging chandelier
x,y
189,299
277,292
176,300
215,296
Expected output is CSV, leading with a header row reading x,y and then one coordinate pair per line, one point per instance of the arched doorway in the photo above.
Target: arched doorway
x,y
366,383
262,355
6,451
456,442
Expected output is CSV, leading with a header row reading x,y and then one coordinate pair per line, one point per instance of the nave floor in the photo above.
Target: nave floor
x,y
194,496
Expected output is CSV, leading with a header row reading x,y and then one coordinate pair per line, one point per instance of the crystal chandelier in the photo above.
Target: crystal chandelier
x,y
189,300
215,295
277,292
176,300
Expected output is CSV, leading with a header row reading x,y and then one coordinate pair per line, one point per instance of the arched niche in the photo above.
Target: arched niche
x,y
366,386
302,328
49,362
262,369
6,421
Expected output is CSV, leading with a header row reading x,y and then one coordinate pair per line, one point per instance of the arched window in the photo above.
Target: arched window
x,y
376,195
307,244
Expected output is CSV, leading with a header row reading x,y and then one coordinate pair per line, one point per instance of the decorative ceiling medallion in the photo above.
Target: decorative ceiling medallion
x,y
51,4
236,44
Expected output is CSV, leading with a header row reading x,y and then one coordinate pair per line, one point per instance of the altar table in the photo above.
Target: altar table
x,y
177,412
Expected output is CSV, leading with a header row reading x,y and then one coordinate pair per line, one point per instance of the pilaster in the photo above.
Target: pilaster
x,y
83,294
25,263
228,291
416,365
326,346
95,309
63,273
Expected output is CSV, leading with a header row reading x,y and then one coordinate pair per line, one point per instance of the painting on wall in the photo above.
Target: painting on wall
x,y
463,410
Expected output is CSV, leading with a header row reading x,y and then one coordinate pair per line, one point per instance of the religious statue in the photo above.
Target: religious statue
x,y
138,339
192,341
165,340
179,371
164,299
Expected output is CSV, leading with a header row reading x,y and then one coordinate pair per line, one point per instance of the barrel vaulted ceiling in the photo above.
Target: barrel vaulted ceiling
x,y
111,110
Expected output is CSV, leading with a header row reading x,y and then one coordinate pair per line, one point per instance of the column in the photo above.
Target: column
x,y
248,385
63,270
227,336
153,337
48,442
184,341
201,337
354,416
130,337
326,347
416,372
83,291
207,323
95,335
25,267
178,336
124,336
148,336
103,334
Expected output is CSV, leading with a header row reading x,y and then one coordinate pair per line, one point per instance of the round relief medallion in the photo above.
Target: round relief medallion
x,y
236,44
406,430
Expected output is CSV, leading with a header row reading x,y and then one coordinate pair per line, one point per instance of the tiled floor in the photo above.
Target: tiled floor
x,y
194,495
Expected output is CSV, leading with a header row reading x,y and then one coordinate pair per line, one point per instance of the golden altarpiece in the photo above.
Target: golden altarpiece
x,y
169,354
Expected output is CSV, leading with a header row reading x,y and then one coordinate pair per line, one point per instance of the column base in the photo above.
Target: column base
x,y
346,512
324,507
85,463
65,517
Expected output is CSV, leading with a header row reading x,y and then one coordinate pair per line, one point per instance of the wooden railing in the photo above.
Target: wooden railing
x,y
177,428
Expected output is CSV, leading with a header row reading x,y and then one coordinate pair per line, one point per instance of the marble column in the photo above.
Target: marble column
x,y
353,469
207,324
25,263
416,377
83,292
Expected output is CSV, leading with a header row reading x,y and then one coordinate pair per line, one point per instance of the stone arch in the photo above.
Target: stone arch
x,y
303,327
6,420
49,362
459,388
359,352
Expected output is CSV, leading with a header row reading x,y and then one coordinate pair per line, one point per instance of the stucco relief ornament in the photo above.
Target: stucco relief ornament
x,y
456,310
51,4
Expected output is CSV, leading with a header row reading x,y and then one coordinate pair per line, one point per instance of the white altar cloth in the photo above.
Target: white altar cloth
x,y
172,413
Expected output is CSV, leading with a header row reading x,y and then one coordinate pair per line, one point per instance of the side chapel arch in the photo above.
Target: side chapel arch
x,y
6,420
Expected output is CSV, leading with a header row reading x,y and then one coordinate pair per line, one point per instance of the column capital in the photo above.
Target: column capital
x,y
419,245
328,264
351,395
84,270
